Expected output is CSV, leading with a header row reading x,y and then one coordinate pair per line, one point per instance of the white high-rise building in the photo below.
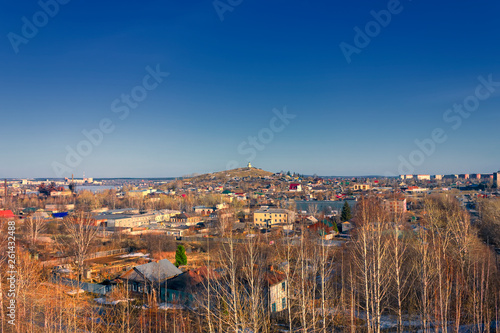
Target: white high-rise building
x,y
496,178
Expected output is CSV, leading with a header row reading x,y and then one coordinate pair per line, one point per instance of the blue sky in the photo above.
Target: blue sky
x,y
227,76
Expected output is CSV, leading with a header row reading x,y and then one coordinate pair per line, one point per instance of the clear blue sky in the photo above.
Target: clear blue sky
x,y
226,77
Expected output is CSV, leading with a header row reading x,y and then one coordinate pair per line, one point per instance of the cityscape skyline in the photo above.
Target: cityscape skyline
x,y
245,166
473,175
166,89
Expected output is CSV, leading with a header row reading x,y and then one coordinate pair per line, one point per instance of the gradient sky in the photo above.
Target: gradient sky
x,y
226,77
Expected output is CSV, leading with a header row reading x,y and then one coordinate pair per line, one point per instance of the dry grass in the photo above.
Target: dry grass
x,y
240,172
195,259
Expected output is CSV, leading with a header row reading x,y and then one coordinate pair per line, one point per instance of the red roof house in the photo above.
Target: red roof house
x,y
6,214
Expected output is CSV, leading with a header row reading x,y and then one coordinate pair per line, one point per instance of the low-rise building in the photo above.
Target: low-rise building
x,y
277,292
361,187
140,193
62,207
295,187
165,215
187,219
143,279
397,206
265,216
203,210
125,220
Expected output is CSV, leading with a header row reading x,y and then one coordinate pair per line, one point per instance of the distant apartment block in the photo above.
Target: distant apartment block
x,y
496,179
79,181
397,206
418,177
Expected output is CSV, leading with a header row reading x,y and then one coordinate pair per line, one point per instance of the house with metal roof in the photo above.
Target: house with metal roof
x,y
143,279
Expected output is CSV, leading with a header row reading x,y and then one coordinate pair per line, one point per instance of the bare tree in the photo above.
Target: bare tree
x,y
34,226
81,231
252,273
313,210
372,259
400,273
227,292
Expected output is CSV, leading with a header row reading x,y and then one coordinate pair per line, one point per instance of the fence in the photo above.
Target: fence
x,y
67,260
94,288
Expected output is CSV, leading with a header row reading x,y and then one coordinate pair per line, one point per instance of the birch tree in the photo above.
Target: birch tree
x,y
81,232
34,226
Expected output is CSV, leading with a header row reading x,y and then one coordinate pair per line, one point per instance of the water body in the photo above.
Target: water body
x,y
324,206
95,188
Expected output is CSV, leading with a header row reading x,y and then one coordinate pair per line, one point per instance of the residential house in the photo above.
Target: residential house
x,y
319,188
203,210
184,289
361,187
176,231
185,218
346,226
276,290
240,196
324,227
145,278
6,214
